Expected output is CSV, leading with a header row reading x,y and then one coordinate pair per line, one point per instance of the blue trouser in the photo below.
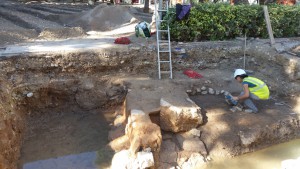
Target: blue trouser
x,y
249,103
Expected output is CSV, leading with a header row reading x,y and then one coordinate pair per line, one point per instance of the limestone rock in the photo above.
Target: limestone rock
x,y
182,136
204,92
208,81
124,160
165,166
120,143
30,94
195,132
194,144
119,120
203,88
142,133
168,152
198,90
195,161
183,156
189,91
177,116
188,142
247,138
143,160
121,160
217,92
226,93
91,2
211,91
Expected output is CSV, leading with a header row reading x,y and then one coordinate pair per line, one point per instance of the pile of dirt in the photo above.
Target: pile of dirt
x,y
102,18
16,36
61,33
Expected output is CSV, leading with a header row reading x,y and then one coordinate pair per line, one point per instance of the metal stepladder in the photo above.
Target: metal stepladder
x,y
164,55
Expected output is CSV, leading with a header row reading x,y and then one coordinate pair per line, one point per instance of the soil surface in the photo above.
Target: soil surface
x,y
221,132
55,134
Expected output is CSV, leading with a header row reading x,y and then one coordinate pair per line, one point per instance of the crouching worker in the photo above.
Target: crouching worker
x,y
253,89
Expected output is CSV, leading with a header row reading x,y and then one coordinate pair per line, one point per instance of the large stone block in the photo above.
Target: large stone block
x,y
144,160
178,115
190,143
168,152
142,133
121,160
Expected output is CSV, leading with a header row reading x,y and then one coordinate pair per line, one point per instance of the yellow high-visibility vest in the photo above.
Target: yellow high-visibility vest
x,y
261,90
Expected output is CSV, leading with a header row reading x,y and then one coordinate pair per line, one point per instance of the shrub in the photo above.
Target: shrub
x,y
223,21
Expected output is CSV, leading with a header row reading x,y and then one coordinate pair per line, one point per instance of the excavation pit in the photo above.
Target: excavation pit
x,y
59,98
70,99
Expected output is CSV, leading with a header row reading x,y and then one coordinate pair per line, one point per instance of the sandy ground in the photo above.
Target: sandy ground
x,y
29,22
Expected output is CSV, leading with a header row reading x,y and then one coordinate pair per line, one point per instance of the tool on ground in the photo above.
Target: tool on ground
x,y
280,103
163,53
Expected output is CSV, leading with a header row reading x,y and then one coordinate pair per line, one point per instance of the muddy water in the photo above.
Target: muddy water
x,y
269,158
63,140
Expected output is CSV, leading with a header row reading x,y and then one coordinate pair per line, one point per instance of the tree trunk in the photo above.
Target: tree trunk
x,y
146,6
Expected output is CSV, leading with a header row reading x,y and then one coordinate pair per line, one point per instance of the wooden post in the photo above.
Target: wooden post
x,y
269,27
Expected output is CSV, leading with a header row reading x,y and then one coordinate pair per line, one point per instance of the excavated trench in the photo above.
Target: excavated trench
x,y
57,108
50,117
58,121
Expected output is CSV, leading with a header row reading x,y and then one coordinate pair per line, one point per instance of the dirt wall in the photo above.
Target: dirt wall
x,y
12,124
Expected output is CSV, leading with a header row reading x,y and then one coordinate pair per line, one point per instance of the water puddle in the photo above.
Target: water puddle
x,y
269,158
80,161
74,140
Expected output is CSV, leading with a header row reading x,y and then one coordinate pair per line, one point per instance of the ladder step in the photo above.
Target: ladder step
x,y
159,30
162,10
163,41
163,46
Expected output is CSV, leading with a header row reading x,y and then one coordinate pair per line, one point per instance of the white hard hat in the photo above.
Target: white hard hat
x,y
239,72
